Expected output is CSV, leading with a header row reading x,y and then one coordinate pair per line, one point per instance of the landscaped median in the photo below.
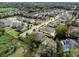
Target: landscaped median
x,y
11,32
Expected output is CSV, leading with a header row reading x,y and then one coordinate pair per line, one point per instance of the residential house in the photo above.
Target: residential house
x,y
12,23
73,32
48,31
62,20
68,44
52,24
77,22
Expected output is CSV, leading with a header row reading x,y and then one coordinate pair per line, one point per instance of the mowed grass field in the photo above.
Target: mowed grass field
x,y
4,38
8,44
11,32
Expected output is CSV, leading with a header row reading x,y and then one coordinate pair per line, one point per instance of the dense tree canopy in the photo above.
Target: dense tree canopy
x,y
61,31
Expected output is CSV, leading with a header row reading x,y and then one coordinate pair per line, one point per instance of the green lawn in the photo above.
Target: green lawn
x,y
5,39
8,10
6,43
11,32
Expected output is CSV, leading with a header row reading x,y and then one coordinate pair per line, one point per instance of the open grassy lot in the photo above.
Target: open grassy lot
x,y
8,10
6,46
7,43
18,53
4,38
11,32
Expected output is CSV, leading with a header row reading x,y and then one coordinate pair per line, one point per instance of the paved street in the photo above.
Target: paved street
x,y
38,26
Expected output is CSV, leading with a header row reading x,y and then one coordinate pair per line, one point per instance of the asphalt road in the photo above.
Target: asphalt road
x,y
38,26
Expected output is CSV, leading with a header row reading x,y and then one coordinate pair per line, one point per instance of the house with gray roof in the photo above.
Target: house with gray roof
x,y
68,44
62,20
48,31
52,24
12,23
6,22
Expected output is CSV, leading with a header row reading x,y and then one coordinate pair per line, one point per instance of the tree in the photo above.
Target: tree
x,y
74,13
60,52
31,41
31,44
34,29
46,51
61,31
1,31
